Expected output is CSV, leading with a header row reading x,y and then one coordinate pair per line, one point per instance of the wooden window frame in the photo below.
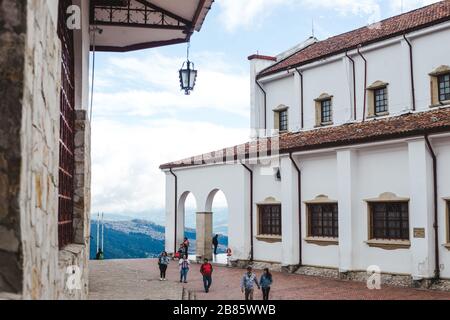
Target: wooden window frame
x,y
283,120
277,120
261,219
330,111
334,221
447,224
440,94
385,101
372,99
435,90
371,221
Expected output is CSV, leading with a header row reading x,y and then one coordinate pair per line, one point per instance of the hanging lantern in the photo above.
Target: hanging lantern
x,y
188,75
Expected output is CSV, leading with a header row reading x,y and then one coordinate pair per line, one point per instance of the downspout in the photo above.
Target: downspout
x,y
265,104
365,84
299,208
251,210
435,224
354,84
175,210
411,63
302,122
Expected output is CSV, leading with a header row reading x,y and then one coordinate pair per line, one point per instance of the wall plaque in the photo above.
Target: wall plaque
x,y
419,232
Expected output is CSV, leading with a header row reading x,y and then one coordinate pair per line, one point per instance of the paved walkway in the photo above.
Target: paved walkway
x,y
139,279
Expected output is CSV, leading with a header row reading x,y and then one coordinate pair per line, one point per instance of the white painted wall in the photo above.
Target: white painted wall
x,y
387,61
319,177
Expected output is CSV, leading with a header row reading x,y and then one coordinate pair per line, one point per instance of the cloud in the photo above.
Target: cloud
x,y
145,87
238,13
407,5
126,158
251,13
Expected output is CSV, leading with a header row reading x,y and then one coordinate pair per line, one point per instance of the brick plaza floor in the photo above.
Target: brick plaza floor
x,y
139,279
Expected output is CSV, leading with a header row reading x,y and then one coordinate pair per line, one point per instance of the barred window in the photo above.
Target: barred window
x,y
444,87
67,130
325,111
270,219
389,220
283,119
323,220
381,100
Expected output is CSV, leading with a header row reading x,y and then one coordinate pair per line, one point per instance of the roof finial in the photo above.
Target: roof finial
x,y
312,28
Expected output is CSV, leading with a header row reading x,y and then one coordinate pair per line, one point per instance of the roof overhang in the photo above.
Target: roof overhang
x,y
140,24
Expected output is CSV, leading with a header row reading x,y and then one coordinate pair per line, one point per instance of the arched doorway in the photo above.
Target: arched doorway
x,y
217,204
186,224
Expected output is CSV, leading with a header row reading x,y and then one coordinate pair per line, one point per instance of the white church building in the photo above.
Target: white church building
x,y
350,168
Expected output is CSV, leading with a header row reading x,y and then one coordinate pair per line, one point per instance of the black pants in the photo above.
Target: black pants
x,y
265,292
163,269
207,281
215,249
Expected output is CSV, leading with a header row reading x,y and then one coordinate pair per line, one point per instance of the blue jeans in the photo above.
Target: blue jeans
x,y
183,274
207,281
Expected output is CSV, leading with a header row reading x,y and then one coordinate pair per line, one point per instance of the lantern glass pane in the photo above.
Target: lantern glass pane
x,y
185,78
192,78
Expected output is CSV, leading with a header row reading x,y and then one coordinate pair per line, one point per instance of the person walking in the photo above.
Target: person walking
x,y
265,282
186,246
215,242
184,268
206,270
163,262
247,282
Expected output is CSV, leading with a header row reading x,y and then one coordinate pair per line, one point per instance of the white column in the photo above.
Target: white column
x,y
289,213
170,213
421,208
346,163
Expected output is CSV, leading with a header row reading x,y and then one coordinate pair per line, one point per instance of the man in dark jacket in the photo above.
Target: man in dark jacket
x,y
206,270
215,242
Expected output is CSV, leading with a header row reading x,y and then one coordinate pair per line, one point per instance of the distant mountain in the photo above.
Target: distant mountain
x,y
135,239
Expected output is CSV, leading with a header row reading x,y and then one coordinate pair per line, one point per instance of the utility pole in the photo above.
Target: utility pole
x,y
98,232
103,230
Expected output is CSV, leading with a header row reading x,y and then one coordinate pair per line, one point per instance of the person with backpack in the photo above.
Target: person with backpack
x,y
163,262
265,282
215,242
247,283
206,270
184,268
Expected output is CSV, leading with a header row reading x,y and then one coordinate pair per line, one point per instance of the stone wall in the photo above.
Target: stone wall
x,y
12,44
40,152
31,264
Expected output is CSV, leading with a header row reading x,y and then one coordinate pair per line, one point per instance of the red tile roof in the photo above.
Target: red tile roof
x,y
389,28
407,125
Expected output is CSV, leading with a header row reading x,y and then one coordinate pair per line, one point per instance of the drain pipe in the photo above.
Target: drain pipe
x,y
365,84
299,208
175,210
265,104
302,122
435,195
251,209
411,63
354,84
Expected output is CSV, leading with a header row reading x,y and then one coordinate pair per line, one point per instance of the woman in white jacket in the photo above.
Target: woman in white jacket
x,y
184,268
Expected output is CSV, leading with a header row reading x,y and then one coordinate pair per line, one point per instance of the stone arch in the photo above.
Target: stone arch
x,y
181,215
210,199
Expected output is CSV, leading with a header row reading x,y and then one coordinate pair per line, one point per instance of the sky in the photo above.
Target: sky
x,y
141,119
